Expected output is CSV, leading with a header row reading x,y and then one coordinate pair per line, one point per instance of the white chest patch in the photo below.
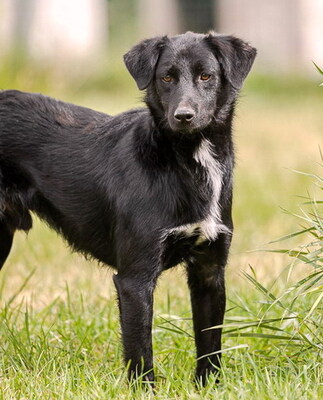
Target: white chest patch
x,y
212,225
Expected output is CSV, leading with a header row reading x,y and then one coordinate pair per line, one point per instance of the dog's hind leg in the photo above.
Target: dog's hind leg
x,y
6,237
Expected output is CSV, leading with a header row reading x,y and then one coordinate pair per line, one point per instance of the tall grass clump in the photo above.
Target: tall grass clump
x,y
288,318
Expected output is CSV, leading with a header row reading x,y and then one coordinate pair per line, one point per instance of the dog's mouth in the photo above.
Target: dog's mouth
x,y
182,127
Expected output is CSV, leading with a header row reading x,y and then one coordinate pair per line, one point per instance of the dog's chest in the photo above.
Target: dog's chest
x,y
211,225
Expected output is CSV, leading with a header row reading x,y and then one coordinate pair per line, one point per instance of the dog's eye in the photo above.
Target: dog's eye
x,y
167,78
205,77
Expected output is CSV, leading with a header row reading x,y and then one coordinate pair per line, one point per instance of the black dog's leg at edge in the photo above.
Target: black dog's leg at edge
x,y
207,289
6,237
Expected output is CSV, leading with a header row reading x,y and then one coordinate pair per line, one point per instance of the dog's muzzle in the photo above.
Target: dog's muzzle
x,y
183,119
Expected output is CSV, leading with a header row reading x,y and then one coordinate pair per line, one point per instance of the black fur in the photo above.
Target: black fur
x,y
132,191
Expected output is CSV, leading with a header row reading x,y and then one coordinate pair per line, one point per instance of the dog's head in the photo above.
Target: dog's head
x,y
191,77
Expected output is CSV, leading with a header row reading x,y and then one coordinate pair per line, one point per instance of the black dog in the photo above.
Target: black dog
x,y
142,191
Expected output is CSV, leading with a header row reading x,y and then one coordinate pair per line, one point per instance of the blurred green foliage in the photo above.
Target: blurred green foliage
x,y
19,72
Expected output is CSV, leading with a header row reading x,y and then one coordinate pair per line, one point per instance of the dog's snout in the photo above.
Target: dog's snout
x,y
184,115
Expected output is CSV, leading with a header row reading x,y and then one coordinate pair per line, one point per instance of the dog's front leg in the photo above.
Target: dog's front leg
x,y
135,293
207,288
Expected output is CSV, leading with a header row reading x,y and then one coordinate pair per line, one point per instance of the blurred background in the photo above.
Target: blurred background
x,y
82,38
73,50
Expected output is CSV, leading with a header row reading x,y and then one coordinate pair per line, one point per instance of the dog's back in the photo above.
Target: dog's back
x,y
26,118
39,136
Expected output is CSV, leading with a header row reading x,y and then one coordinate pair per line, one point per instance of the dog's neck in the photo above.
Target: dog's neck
x,y
218,133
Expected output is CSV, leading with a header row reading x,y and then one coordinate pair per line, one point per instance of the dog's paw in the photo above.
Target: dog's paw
x,y
205,375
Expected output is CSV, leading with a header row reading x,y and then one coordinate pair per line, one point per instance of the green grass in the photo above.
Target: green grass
x,y
70,349
59,331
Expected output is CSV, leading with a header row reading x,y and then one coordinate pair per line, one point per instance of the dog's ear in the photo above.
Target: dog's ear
x,y
234,55
142,59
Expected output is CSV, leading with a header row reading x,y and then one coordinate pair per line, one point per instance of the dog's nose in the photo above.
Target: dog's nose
x,y
184,115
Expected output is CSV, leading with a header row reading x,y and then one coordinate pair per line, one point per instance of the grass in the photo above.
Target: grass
x,y
59,331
